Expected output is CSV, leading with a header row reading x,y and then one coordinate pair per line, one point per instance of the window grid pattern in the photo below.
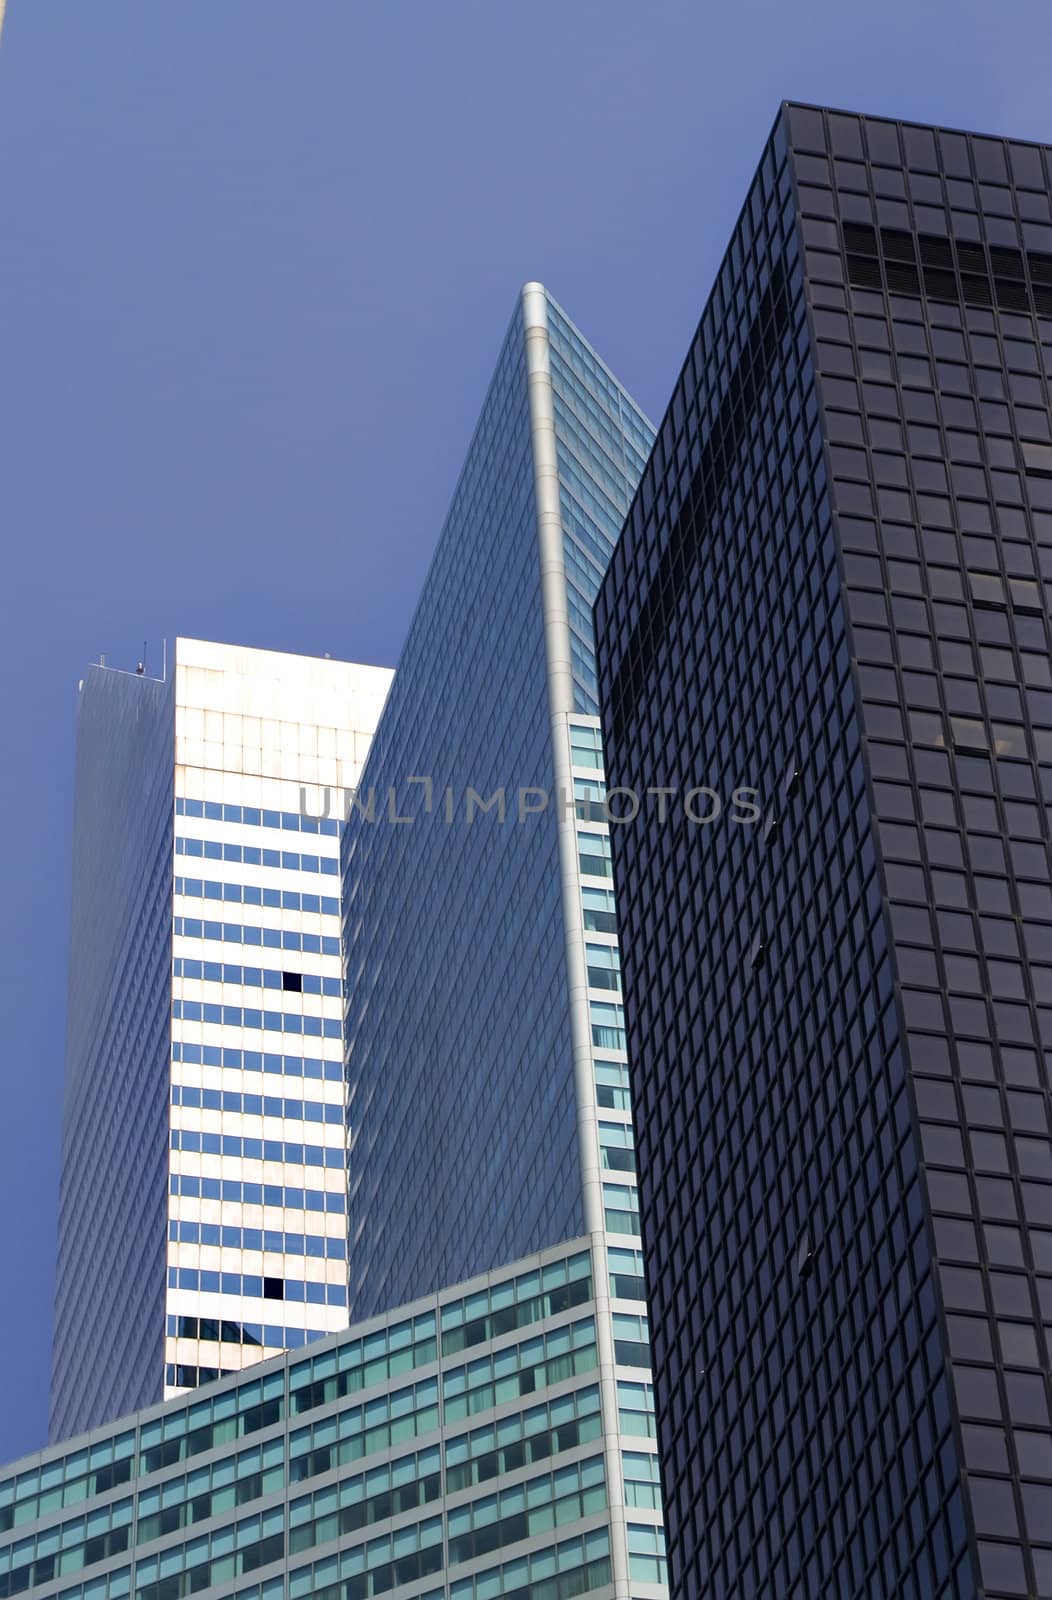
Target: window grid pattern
x,y
378,1489
803,1395
109,1324
939,290
260,741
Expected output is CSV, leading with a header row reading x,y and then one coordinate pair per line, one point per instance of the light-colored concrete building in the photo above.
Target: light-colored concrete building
x,y
203,1216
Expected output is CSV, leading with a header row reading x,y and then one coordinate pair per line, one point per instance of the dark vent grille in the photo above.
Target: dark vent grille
x,y
864,272
940,285
902,279
971,257
860,238
1011,296
1007,263
976,290
935,252
1007,288
898,246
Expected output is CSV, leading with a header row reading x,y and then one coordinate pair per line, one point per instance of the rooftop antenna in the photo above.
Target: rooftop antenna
x,y
141,666
164,660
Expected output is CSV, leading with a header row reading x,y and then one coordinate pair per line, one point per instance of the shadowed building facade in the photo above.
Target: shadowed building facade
x,y
833,585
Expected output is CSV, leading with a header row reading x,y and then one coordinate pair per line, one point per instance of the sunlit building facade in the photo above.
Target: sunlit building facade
x,y
202,1220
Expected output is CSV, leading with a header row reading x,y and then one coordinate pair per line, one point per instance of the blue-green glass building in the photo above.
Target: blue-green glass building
x,y
452,1450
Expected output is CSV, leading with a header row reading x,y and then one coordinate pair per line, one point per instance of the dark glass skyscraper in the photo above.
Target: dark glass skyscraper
x,y
833,586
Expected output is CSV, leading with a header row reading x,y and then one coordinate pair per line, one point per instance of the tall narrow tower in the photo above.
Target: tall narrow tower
x,y
487,1074
202,1216
834,586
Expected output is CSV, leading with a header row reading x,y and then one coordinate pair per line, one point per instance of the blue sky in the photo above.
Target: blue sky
x,y
256,260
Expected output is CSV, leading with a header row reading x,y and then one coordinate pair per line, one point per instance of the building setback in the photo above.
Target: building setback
x,y
202,1217
834,586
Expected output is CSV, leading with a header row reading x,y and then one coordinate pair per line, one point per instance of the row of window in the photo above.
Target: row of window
x,y
389,1419
270,1239
389,1490
463,1332
256,977
257,1105
395,1559
66,1482
526,1509
251,1017
546,1282
252,856
520,1369
216,1330
257,1194
250,894
209,1491
574,1567
214,1055
255,817
515,1441
257,1287
214,1558
312,944
412,1342
65,1548
229,1144
185,1375
318,1383
179,1433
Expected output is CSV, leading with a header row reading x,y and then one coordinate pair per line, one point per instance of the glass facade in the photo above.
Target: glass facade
x,y
463,1108
203,1214
109,1302
833,586
452,1450
487,1073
